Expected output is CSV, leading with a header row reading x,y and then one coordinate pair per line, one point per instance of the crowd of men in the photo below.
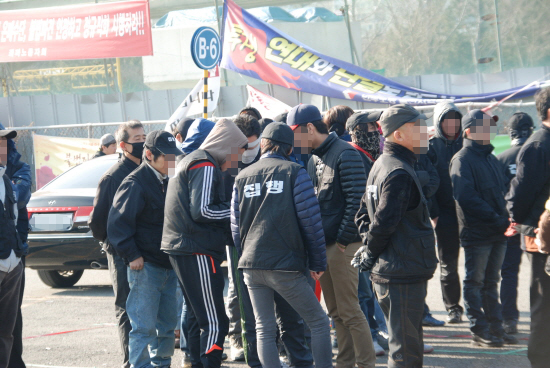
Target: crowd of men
x,y
356,201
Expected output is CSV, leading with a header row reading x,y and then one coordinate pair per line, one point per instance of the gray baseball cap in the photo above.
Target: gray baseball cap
x,y
398,115
107,140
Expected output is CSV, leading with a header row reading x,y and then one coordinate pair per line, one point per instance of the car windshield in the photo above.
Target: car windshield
x,y
85,175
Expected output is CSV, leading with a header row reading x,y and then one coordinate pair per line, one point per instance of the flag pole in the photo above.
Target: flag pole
x,y
205,94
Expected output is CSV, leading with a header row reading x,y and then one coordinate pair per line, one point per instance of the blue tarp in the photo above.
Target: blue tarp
x,y
179,18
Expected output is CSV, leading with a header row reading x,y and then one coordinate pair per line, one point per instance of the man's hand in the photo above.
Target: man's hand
x,y
434,222
137,264
341,247
511,231
316,275
360,259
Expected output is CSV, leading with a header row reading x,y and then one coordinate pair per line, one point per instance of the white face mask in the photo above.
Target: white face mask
x,y
250,154
2,170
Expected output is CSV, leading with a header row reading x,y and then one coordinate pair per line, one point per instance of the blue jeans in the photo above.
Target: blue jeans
x,y
366,302
182,319
509,284
152,309
483,264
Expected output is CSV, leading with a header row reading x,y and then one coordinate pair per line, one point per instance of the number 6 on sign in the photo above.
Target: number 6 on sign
x,y
206,54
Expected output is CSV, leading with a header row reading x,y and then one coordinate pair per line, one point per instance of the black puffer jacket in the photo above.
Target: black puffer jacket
x,y
339,179
479,189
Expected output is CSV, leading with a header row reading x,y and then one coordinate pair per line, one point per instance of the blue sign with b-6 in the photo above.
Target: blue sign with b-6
x,y
206,48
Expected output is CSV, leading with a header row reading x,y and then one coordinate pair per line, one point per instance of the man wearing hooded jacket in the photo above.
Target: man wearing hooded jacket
x,y
196,226
446,142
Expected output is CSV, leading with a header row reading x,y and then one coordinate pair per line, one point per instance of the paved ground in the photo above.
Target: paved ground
x,y
76,328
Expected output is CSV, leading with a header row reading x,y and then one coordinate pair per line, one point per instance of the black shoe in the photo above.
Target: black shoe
x,y
487,340
510,326
455,316
430,321
509,339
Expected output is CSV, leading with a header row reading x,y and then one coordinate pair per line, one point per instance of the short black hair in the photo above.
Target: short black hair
x,y
321,127
248,125
123,134
542,100
336,117
248,110
281,149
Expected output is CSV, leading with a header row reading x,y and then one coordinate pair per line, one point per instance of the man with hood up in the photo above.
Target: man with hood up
x,y
196,227
520,128
446,142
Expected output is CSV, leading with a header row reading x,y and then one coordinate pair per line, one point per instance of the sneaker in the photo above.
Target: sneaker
x,y
430,321
509,339
487,340
510,326
186,361
428,349
224,356
378,350
455,316
383,338
237,354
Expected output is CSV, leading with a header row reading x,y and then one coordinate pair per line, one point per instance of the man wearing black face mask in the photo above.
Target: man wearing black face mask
x,y
520,128
130,137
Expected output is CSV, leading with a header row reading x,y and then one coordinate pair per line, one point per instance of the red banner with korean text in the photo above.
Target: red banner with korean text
x,y
94,31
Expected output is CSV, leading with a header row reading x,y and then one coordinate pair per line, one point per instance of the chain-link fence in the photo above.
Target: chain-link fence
x,y
25,147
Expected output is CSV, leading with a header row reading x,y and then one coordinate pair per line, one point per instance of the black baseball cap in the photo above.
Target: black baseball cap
x,y
183,127
163,141
279,132
362,118
520,121
302,114
396,116
9,134
473,118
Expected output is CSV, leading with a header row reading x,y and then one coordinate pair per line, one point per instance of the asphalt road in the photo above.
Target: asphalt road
x,y
75,327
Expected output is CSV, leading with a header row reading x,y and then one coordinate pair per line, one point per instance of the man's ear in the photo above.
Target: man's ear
x,y
467,132
122,146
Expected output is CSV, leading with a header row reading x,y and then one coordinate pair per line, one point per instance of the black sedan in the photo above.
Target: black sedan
x,y
61,245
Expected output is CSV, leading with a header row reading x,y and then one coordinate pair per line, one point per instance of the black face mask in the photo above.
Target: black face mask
x,y
137,149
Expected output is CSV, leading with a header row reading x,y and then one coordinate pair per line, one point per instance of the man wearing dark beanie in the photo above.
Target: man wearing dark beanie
x,y
394,224
479,189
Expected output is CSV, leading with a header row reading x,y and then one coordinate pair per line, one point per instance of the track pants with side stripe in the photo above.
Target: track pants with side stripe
x,y
203,282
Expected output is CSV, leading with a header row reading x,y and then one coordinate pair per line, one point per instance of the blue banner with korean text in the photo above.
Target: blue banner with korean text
x,y
254,48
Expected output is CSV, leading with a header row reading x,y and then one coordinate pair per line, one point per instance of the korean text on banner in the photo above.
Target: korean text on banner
x,y
94,31
268,106
193,103
55,155
258,50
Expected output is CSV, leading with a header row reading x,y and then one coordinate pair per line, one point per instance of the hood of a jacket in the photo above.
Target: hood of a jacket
x,y
224,137
439,112
197,133
13,155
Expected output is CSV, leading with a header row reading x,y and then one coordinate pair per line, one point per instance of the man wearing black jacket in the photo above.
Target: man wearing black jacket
x,y
130,137
520,128
135,231
526,199
11,250
479,189
445,143
338,176
395,227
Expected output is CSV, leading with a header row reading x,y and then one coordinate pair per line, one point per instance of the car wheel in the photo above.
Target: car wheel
x,y
60,279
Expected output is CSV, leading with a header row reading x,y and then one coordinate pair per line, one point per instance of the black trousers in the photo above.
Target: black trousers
x,y
538,352
10,290
403,307
119,277
509,274
448,247
16,357
203,283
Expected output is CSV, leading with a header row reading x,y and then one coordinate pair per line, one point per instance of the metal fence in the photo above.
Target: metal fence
x,y
96,130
